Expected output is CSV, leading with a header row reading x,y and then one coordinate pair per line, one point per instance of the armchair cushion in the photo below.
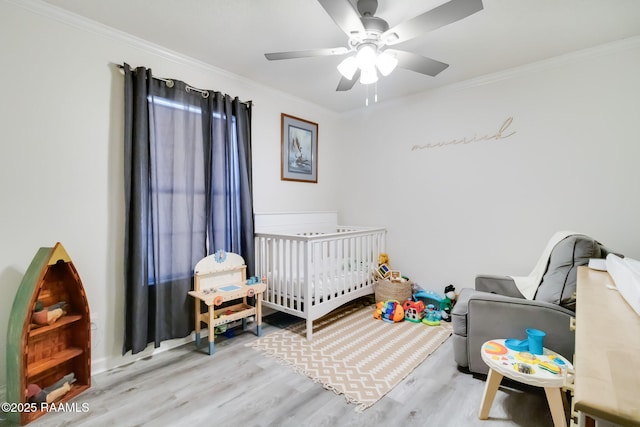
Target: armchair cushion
x,y
558,284
502,285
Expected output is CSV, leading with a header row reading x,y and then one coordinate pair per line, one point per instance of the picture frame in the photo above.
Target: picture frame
x,y
299,149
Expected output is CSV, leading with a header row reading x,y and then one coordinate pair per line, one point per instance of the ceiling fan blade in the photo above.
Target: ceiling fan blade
x,y
346,84
343,13
418,63
306,53
440,16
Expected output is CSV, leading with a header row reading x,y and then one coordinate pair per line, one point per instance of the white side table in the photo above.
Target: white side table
x,y
504,362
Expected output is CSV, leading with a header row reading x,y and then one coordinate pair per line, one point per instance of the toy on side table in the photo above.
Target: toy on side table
x,y
413,310
390,311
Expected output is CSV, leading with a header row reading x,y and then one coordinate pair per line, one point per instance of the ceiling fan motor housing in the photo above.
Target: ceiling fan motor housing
x,y
374,25
367,7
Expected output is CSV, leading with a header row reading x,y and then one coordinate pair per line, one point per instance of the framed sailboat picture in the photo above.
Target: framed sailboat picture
x,y
299,160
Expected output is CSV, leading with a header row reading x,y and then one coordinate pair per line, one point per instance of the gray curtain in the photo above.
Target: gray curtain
x,y
187,194
230,225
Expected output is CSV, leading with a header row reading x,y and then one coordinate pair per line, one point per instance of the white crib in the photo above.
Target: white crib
x,y
313,266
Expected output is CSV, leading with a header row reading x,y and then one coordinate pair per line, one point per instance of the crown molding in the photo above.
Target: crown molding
x,y
86,24
549,63
526,69
83,23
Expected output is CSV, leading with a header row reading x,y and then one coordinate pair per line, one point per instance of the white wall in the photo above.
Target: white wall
x,y
61,157
451,212
489,207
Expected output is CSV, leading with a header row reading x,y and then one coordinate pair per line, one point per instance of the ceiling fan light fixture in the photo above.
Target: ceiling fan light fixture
x,y
366,56
368,75
386,63
348,67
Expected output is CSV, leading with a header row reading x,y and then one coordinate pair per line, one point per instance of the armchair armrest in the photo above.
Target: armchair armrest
x,y
491,316
501,285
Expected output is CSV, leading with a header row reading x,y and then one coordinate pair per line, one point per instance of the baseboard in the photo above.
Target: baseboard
x,y
105,364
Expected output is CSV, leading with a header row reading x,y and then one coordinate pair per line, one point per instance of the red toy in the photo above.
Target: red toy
x,y
413,310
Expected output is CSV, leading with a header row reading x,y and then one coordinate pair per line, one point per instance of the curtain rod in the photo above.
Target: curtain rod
x,y
169,83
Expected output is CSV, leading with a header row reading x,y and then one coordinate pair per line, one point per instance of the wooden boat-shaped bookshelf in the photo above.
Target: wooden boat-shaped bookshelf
x,y
44,354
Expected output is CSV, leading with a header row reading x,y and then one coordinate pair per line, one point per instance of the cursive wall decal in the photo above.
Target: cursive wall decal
x,y
501,134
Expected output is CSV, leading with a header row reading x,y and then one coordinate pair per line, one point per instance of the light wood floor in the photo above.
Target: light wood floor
x,y
239,387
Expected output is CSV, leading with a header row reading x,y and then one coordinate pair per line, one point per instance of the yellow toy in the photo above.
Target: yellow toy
x,y
383,258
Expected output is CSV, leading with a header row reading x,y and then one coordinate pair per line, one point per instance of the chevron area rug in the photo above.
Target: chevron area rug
x,y
354,354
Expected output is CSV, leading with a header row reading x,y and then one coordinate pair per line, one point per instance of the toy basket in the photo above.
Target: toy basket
x,y
388,290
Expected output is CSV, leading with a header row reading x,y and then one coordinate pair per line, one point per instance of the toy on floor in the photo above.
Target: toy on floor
x,y
50,394
432,316
390,311
47,315
447,303
429,297
413,310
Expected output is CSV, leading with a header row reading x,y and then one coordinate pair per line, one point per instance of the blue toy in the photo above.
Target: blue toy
x,y
220,256
429,297
253,280
432,316
516,344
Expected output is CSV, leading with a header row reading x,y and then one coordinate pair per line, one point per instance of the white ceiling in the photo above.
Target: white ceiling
x,y
234,35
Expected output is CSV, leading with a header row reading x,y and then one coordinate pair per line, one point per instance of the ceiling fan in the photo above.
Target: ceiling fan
x,y
370,38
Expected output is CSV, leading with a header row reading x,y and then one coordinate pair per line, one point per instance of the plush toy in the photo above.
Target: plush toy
x,y
48,315
383,258
390,311
50,394
432,316
413,310
447,303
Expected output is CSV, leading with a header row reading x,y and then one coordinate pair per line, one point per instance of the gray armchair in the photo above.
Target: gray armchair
x,y
496,307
